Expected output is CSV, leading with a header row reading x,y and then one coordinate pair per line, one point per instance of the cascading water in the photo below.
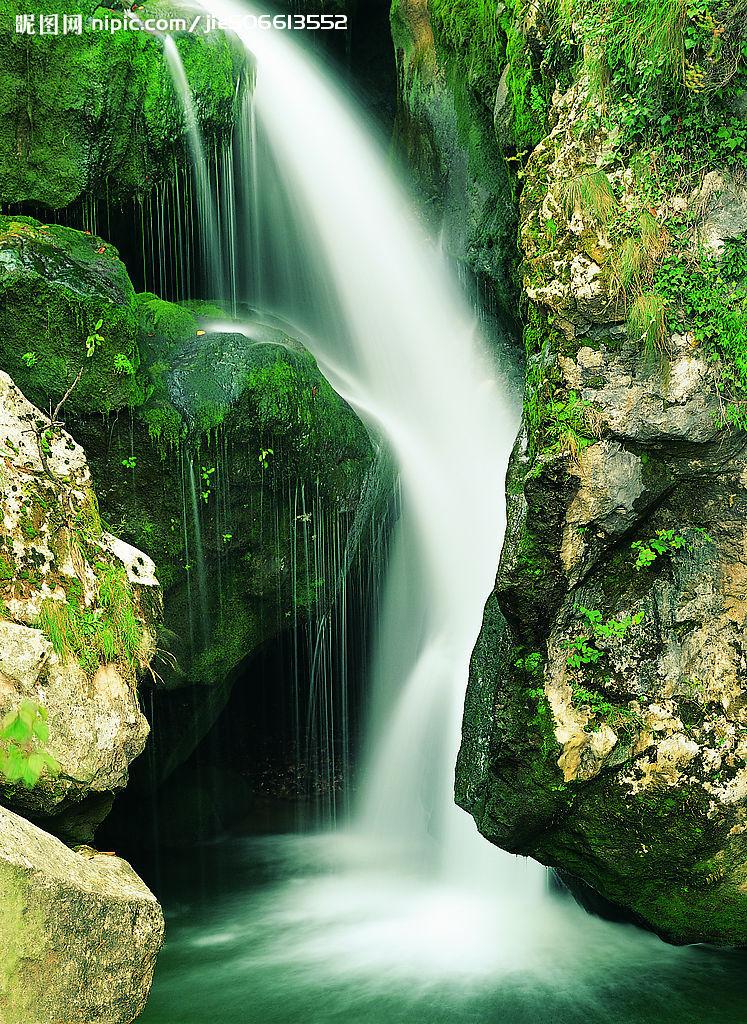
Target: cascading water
x,y
394,335
208,214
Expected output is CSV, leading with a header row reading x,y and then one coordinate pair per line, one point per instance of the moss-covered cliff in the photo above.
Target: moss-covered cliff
x,y
604,730
95,111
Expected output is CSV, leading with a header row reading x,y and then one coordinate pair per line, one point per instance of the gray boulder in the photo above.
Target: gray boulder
x,y
79,932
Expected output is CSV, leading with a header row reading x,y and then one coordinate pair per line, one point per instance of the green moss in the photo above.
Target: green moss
x,y
56,285
98,111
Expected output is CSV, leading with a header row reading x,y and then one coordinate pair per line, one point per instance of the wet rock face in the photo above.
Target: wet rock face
x,y
178,464
445,131
97,111
79,932
77,616
606,724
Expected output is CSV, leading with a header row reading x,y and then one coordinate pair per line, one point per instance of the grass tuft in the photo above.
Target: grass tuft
x,y
110,633
647,322
591,195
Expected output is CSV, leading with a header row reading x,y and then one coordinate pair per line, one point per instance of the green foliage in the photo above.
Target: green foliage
x,y
655,44
619,718
94,339
581,652
166,426
108,634
30,359
530,666
666,542
23,736
206,482
647,322
470,28
584,652
123,365
707,297
582,649
591,195
566,424
482,40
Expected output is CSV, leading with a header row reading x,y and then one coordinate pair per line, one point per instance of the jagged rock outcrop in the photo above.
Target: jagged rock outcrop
x,y
95,111
79,932
606,719
78,615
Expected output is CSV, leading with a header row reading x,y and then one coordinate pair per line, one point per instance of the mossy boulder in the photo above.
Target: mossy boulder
x,y
59,288
471,109
97,113
236,460
239,470
605,724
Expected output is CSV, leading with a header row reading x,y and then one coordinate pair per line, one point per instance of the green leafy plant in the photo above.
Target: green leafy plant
x,y
206,478
94,339
618,717
666,542
23,736
567,424
582,650
264,457
123,365
30,359
130,462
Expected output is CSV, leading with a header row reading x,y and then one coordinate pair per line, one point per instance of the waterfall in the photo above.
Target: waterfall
x,y
325,238
406,353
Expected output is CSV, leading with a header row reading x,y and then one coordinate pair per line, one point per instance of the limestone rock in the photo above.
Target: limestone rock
x,y
67,586
79,932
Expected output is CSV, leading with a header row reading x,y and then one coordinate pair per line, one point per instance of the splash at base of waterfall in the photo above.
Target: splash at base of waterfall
x,y
311,930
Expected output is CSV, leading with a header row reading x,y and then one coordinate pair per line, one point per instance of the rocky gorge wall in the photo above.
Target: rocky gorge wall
x,y
604,730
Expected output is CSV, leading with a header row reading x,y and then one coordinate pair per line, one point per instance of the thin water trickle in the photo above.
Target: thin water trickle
x,y
208,203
